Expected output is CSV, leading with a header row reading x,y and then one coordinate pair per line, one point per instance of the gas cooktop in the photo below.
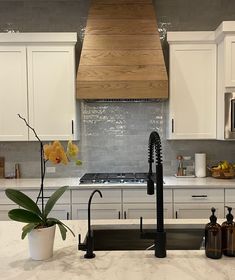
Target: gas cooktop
x,y
114,178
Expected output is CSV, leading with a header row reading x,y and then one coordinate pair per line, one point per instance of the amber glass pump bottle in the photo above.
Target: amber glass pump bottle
x,y
213,238
228,235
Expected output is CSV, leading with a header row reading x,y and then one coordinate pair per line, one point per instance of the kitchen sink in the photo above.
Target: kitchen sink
x,y
129,239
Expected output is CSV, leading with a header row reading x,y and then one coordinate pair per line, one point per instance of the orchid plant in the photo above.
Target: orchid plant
x,y
29,212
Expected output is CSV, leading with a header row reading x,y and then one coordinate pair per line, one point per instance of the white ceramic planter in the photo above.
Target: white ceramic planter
x,y
41,243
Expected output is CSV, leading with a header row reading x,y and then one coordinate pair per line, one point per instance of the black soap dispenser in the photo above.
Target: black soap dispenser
x,y
228,235
213,238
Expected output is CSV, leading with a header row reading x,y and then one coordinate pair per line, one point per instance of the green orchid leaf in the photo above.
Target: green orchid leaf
x,y
26,229
24,216
58,222
63,231
53,199
23,200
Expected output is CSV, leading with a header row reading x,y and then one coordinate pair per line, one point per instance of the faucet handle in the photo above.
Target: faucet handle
x,y
81,246
150,186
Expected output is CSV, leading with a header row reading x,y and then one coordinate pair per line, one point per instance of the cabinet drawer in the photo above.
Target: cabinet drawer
x,y
4,199
133,196
199,195
109,196
229,195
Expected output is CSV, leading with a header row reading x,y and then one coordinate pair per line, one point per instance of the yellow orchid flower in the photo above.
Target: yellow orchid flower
x,y
72,149
55,153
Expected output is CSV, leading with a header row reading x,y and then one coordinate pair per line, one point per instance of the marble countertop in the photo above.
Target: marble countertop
x,y
68,263
73,183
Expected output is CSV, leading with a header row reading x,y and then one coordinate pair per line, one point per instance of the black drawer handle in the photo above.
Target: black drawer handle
x,y
200,196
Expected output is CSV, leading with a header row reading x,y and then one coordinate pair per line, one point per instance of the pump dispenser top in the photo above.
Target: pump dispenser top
x,y
213,237
213,218
229,216
228,234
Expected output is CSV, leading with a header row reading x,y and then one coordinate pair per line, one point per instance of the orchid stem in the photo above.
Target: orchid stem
x,y
43,163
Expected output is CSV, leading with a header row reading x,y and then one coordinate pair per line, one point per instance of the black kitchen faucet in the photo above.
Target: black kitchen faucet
x,y
89,245
159,235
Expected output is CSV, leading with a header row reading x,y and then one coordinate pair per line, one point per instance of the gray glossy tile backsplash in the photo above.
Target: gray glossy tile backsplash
x,y
114,136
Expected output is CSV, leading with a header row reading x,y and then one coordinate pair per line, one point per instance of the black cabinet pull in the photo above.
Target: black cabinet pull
x,y
172,125
124,214
67,216
200,196
176,214
119,215
72,127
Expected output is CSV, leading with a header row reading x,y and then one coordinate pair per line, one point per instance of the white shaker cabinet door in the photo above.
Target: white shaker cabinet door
x,y
229,61
61,212
147,211
192,106
4,209
198,211
13,93
51,86
101,211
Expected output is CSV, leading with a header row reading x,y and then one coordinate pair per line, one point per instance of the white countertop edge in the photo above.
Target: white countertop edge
x,y
73,183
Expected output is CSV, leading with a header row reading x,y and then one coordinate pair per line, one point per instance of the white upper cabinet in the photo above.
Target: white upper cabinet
x,y
229,61
13,92
192,104
51,90
37,75
225,39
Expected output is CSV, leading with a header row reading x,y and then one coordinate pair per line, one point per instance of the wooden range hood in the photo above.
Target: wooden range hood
x,y
122,56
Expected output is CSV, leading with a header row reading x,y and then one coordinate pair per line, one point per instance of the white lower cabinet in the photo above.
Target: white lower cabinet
x,y
230,199
136,204
98,211
198,210
5,205
197,203
109,206
184,203
62,209
61,212
4,211
145,210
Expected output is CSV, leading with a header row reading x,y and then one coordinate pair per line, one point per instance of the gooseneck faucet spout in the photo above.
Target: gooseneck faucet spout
x,y
159,236
89,246
89,210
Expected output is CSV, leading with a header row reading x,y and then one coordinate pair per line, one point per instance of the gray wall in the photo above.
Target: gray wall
x,y
114,136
